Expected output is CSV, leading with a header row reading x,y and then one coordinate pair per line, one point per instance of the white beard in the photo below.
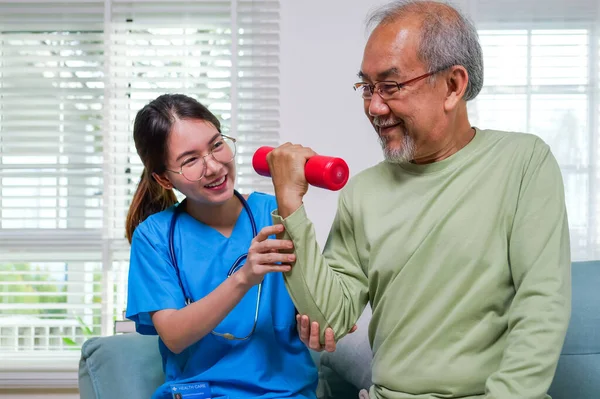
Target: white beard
x,y
405,153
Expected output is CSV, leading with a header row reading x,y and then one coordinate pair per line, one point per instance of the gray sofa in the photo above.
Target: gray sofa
x,y
129,366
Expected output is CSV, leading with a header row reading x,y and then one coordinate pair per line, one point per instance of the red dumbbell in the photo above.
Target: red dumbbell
x,y
321,171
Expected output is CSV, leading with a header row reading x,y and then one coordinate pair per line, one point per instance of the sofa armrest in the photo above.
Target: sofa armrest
x,y
120,366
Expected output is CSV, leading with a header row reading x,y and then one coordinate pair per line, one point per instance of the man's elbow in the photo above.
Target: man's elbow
x,y
566,318
564,304
561,315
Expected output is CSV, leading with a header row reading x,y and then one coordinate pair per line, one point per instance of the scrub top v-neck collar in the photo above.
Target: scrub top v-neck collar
x,y
211,230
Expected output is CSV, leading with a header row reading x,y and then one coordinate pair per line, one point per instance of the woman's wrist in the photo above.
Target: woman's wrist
x,y
241,281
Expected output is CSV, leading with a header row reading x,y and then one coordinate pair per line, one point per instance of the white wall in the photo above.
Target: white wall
x,y
321,51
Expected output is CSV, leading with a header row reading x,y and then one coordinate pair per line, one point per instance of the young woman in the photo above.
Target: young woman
x,y
204,273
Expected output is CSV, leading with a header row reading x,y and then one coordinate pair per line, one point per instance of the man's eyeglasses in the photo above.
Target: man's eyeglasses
x,y
194,168
387,88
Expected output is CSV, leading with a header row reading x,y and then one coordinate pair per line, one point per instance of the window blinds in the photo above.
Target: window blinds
x,y
51,95
73,74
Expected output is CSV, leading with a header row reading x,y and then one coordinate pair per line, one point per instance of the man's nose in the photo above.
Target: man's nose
x,y
377,106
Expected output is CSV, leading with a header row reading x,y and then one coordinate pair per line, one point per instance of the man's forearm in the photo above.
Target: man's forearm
x,y
315,283
538,320
533,348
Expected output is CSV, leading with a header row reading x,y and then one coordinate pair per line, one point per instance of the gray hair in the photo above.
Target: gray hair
x,y
448,37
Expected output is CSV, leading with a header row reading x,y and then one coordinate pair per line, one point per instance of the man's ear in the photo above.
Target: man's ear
x,y
163,180
457,80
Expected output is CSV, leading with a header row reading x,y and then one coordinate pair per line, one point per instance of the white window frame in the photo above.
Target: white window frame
x,y
593,97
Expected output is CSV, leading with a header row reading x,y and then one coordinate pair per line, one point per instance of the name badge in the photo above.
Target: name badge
x,y
194,390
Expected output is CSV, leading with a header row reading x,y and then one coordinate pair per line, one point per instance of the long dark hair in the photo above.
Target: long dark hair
x,y
151,129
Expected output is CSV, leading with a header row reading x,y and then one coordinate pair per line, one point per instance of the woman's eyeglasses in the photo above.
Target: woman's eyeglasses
x,y
194,168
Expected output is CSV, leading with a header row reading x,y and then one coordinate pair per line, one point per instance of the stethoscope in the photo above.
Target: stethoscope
x,y
234,267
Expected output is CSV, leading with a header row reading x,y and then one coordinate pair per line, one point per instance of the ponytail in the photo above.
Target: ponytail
x,y
149,198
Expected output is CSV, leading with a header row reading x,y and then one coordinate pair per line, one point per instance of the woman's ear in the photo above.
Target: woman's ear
x,y
457,81
163,180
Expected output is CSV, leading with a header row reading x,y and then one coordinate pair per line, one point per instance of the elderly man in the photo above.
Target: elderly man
x,y
459,239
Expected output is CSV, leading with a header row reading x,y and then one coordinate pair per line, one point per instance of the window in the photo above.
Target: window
x,y
73,74
544,80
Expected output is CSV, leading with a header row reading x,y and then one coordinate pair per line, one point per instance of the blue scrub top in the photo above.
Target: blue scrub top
x,y
273,362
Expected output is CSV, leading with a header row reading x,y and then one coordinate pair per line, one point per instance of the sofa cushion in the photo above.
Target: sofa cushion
x,y
333,386
352,357
579,365
120,366
583,337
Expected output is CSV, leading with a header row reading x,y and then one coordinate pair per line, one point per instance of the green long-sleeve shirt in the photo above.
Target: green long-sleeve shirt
x,y
465,262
